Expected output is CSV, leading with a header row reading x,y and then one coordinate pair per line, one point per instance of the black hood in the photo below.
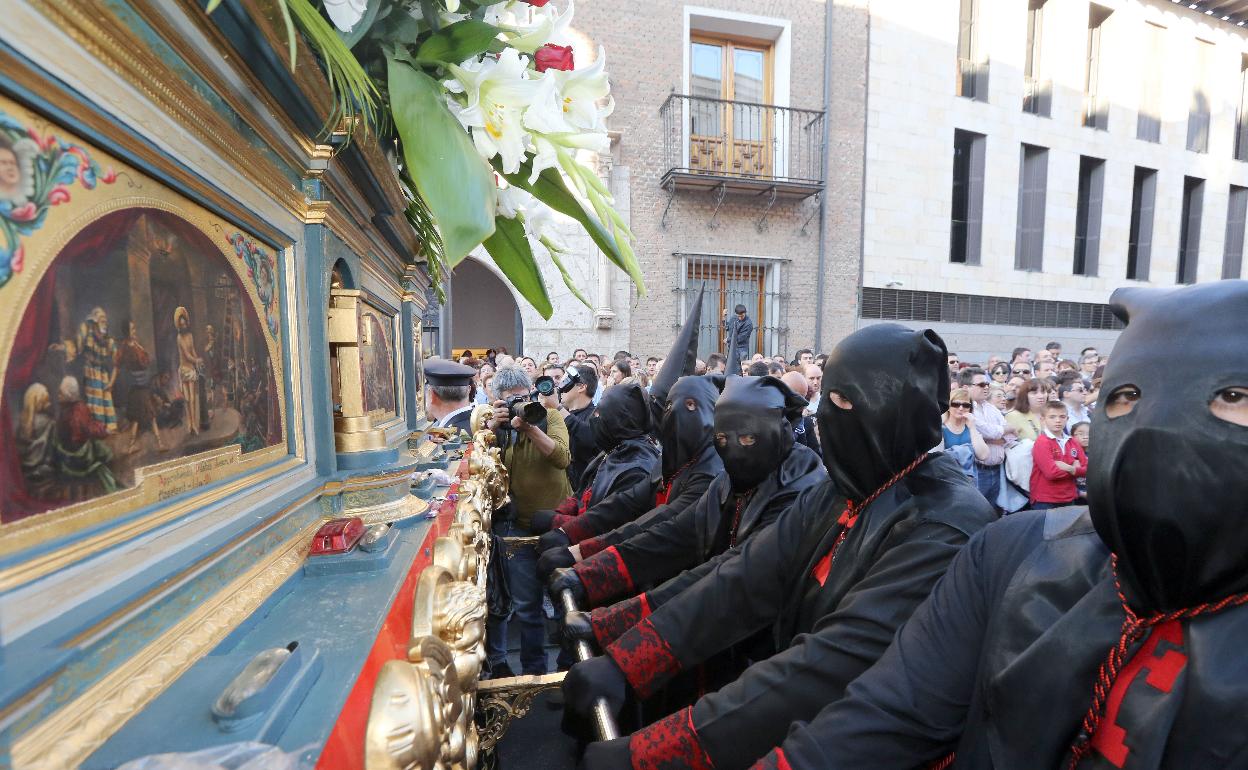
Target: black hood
x,y
623,413
762,408
1168,481
898,382
684,432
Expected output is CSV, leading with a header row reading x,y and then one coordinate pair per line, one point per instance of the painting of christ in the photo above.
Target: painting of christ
x,y
118,365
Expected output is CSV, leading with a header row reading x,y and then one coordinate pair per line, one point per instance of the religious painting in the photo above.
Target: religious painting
x,y
377,360
139,330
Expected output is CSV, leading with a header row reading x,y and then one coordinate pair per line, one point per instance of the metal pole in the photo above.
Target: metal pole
x,y
604,720
826,162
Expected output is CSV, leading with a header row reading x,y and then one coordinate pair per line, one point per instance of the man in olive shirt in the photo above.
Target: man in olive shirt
x,y
536,455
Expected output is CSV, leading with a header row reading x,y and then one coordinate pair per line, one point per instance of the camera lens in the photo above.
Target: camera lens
x,y
532,412
544,385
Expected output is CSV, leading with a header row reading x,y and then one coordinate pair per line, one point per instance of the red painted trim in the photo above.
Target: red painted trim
x,y
344,749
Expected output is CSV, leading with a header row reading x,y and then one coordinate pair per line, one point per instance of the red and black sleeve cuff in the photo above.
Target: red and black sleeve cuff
x,y
668,744
578,529
592,545
609,623
567,507
605,576
562,520
776,760
645,658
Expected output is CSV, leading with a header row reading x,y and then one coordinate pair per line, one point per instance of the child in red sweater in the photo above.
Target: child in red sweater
x,y
1056,461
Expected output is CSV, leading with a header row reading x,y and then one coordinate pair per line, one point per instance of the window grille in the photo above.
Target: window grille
x,y
759,283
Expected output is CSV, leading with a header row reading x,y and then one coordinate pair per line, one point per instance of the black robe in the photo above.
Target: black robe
x,y
580,443
709,527
1000,664
830,621
622,508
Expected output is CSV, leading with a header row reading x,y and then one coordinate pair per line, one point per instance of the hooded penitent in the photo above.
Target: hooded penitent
x,y
886,372
621,427
753,427
1168,480
622,414
687,424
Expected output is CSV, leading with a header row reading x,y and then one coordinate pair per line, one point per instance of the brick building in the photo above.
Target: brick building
x,y
730,171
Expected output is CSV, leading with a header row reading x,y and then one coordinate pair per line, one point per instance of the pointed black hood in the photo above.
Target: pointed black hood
x,y
898,382
682,357
687,424
1168,479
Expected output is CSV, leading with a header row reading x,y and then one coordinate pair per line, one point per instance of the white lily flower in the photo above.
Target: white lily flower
x,y
345,14
549,26
538,218
581,90
452,5
496,93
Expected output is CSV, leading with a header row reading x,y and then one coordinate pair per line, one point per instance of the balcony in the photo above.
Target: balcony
x,y
728,146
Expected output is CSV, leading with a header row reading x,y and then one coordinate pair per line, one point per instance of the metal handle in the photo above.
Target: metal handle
x,y
603,718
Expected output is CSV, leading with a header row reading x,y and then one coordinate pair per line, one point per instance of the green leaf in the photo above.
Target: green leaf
x,y
457,43
509,247
349,39
567,277
551,190
444,165
212,6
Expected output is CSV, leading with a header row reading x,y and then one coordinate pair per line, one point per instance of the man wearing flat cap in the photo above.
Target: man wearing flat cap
x,y
448,403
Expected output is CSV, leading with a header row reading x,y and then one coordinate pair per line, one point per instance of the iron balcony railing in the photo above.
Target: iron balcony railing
x,y
720,137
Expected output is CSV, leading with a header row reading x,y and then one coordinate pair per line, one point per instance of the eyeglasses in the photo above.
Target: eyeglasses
x,y
1022,371
960,405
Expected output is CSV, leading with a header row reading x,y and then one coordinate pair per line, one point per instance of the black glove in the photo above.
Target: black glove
x,y
553,559
555,538
566,579
541,521
607,755
592,679
576,626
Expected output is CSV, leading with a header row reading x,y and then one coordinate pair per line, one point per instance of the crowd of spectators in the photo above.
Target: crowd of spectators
x,y
998,424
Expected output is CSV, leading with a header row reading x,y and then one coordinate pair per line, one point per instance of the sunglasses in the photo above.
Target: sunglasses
x,y
960,405
1022,371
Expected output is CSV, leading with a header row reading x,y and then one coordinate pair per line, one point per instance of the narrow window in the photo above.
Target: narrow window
x,y
1189,229
1032,183
1148,122
1088,215
1095,105
1241,115
1037,92
1140,247
972,66
966,218
1236,215
1198,114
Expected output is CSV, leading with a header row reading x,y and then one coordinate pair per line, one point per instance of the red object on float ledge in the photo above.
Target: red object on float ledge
x,y
337,536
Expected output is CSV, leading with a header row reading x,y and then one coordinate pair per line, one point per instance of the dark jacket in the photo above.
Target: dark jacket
x,y
740,332
1023,621
580,442
718,521
829,619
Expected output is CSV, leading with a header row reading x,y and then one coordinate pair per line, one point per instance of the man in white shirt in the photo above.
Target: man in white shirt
x,y
992,426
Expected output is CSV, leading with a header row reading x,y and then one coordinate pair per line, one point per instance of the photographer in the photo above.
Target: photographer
x,y
534,443
577,389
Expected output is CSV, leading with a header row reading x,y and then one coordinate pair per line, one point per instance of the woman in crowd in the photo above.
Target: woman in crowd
x,y
1000,372
1031,398
997,397
959,424
620,370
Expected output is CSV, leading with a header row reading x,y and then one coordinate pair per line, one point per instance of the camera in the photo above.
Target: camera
x,y
545,385
530,411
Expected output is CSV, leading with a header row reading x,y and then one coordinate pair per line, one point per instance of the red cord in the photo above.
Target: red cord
x,y
1134,628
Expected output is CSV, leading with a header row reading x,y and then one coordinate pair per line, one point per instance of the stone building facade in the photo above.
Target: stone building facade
x,y
1115,103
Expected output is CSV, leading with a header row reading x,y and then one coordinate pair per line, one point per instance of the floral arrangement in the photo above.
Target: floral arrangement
x,y
489,111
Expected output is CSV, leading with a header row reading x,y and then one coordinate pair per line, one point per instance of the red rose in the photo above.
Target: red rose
x,y
553,57
537,3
